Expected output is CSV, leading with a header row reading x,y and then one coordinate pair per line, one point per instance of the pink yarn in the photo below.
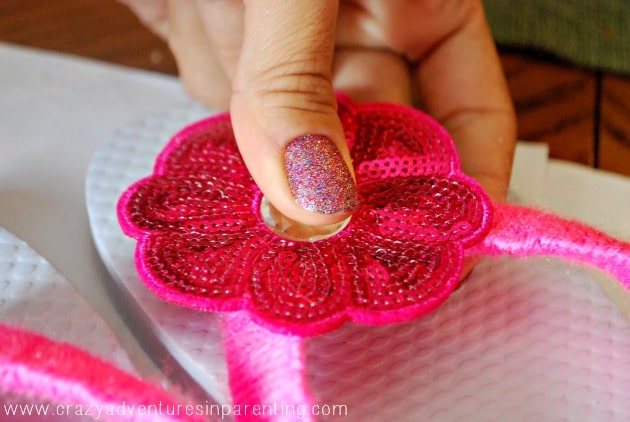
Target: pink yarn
x,y
520,231
44,371
202,242
265,369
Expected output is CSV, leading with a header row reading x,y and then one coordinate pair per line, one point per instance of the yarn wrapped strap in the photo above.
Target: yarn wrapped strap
x,y
520,231
65,378
266,372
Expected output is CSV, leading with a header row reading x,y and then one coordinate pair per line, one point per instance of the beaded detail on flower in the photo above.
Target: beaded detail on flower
x,y
202,242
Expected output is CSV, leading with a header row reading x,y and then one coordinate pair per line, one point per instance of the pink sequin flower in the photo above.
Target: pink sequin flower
x,y
202,242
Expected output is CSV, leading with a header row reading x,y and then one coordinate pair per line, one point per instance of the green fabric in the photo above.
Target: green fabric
x,y
590,33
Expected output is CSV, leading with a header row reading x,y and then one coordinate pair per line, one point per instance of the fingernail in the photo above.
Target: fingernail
x,y
319,178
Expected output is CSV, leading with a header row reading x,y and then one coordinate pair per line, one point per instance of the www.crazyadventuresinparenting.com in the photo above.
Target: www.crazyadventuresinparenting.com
x,y
106,411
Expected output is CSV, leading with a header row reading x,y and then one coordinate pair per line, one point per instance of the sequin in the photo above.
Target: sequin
x,y
202,242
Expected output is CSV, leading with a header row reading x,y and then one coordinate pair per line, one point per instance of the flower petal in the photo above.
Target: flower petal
x,y
389,131
398,281
428,210
408,165
201,271
208,146
301,287
198,202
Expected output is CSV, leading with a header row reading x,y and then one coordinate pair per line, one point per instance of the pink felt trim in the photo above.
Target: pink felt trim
x,y
266,370
520,231
33,365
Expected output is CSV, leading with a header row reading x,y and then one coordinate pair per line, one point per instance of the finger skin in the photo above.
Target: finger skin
x,y
462,85
152,13
282,90
200,70
223,23
372,75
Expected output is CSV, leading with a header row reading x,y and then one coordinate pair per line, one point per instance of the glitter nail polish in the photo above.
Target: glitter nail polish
x,y
319,178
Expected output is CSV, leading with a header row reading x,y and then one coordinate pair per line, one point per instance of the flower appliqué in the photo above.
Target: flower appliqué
x,y
203,244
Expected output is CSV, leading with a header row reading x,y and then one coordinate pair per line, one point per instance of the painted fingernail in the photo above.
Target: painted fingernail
x,y
319,178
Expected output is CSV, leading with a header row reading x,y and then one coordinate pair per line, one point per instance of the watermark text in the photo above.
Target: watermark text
x,y
106,411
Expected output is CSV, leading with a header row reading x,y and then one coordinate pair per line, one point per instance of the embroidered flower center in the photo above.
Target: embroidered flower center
x,y
290,229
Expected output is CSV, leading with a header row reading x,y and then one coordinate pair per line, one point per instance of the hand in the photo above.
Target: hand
x,y
277,63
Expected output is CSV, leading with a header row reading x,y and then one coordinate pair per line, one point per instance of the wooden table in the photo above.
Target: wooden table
x,y
583,115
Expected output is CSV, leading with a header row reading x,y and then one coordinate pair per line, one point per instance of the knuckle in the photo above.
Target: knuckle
x,y
300,84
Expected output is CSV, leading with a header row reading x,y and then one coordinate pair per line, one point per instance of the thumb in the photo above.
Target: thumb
x,y
284,110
